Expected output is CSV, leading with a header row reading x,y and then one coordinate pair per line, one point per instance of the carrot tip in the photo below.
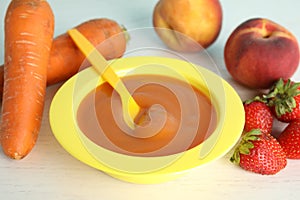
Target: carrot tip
x,y
16,156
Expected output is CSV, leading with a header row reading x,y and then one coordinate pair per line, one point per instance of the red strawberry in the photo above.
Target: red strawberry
x,y
258,116
259,153
289,140
284,99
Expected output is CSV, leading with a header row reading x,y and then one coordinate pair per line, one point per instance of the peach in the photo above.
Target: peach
x,y
259,52
188,25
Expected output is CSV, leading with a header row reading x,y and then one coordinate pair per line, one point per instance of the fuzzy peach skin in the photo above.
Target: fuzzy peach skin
x,y
188,25
259,52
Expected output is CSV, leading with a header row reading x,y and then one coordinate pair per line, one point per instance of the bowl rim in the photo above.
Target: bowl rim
x,y
220,141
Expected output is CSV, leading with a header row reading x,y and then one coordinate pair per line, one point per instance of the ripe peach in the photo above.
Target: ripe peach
x,y
188,25
259,52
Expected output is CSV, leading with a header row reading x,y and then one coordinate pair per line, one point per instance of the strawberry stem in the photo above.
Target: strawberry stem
x,y
256,98
245,145
281,96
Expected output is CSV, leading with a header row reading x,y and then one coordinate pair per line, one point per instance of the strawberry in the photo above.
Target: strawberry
x,y
258,116
259,153
284,99
289,139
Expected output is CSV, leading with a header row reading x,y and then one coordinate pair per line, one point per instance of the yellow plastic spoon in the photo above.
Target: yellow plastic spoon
x,y
129,106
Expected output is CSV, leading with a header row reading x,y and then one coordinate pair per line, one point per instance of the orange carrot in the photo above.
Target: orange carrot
x,y
66,58
29,27
1,80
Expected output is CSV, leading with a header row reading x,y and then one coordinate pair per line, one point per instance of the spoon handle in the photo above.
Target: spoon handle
x,y
129,106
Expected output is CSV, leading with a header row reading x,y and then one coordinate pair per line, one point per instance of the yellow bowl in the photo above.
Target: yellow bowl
x,y
145,170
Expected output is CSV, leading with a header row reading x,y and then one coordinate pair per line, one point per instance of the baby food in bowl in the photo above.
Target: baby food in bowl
x,y
192,126
190,117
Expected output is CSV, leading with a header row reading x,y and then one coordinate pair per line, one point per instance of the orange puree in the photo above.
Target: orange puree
x,y
180,118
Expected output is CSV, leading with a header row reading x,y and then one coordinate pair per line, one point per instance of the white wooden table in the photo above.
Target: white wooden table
x,y
49,172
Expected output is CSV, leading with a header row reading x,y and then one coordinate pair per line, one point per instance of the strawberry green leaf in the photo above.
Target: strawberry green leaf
x,y
235,158
252,138
291,103
244,150
245,145
256,98
294,87
253,132
282,96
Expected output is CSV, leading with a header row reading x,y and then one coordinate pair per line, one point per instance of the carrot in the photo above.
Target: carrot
x,y
1,80
29,27
66,58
